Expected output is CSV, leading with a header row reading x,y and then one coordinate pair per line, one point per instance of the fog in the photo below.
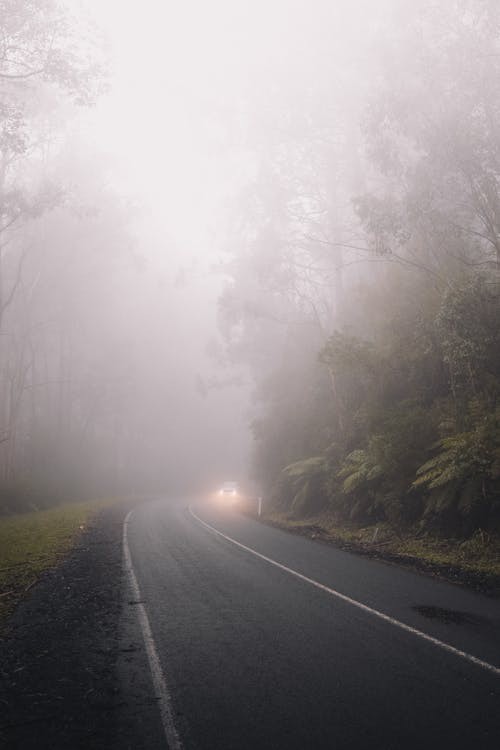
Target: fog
x,y
196,196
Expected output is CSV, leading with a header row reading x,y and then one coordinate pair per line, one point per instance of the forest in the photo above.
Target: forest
x,y
366,303
342,191
50,259
249,374
83,312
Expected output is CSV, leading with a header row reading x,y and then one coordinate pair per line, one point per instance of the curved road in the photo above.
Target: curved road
x,y
262,639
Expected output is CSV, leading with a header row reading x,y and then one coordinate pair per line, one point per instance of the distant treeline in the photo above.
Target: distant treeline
x,y
66,271
365,295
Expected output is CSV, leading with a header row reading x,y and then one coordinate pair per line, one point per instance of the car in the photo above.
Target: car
x,y
229,489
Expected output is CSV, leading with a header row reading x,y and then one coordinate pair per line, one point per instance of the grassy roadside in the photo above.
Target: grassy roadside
x,y
475,562
33,542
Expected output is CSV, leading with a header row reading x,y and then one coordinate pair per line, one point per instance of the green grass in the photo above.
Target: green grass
x,y
33,542
479,555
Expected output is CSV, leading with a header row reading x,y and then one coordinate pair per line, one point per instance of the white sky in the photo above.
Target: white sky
x,y
181,69
172,66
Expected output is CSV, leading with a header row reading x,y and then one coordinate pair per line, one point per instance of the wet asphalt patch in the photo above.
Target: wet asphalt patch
x,y
448,616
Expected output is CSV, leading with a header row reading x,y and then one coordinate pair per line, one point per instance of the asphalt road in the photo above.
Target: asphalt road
x,y
246,654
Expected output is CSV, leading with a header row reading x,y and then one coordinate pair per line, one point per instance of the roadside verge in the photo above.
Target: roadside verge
x,y
58,650
32,543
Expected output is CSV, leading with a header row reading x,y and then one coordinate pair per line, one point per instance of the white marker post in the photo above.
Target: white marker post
x,y
259,511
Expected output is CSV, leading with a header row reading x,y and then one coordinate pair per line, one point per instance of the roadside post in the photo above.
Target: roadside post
x,y
259,511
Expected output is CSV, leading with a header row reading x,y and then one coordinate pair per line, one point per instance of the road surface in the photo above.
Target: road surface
x,y
257,638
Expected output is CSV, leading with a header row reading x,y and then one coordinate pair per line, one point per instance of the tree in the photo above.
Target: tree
x,y
432,135
46,61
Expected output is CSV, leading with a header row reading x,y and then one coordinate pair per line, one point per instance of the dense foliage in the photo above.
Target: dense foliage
x,y
394,266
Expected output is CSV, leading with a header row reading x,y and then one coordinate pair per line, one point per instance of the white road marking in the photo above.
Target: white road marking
x,y
364,607
159,683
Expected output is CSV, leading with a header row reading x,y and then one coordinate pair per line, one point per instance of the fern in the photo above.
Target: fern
x,y
360,467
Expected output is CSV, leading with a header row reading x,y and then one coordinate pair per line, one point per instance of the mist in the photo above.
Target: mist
x,y
249,374
213,215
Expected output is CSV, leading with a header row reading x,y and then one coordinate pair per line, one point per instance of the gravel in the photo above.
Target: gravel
x,y
59,651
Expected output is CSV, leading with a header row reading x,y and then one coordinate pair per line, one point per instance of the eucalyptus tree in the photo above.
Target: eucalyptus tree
x,y
377,225
49,62
432,137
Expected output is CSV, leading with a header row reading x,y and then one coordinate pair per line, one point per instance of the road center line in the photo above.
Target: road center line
x,y
159,683
364,607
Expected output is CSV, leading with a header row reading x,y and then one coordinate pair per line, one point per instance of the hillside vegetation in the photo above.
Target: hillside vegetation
x,y
418,420
366,303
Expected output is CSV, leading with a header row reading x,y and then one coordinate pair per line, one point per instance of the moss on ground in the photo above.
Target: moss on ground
x,y
479,555
33,542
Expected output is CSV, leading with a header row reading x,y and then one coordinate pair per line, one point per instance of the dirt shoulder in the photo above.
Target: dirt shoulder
x,y
474,563
59,648
32,543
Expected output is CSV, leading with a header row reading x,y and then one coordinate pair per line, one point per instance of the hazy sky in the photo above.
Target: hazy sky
x,y
183,71
189,80
169,65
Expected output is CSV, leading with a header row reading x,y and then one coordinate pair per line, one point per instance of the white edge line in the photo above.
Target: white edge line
x,y
364,607
159,683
